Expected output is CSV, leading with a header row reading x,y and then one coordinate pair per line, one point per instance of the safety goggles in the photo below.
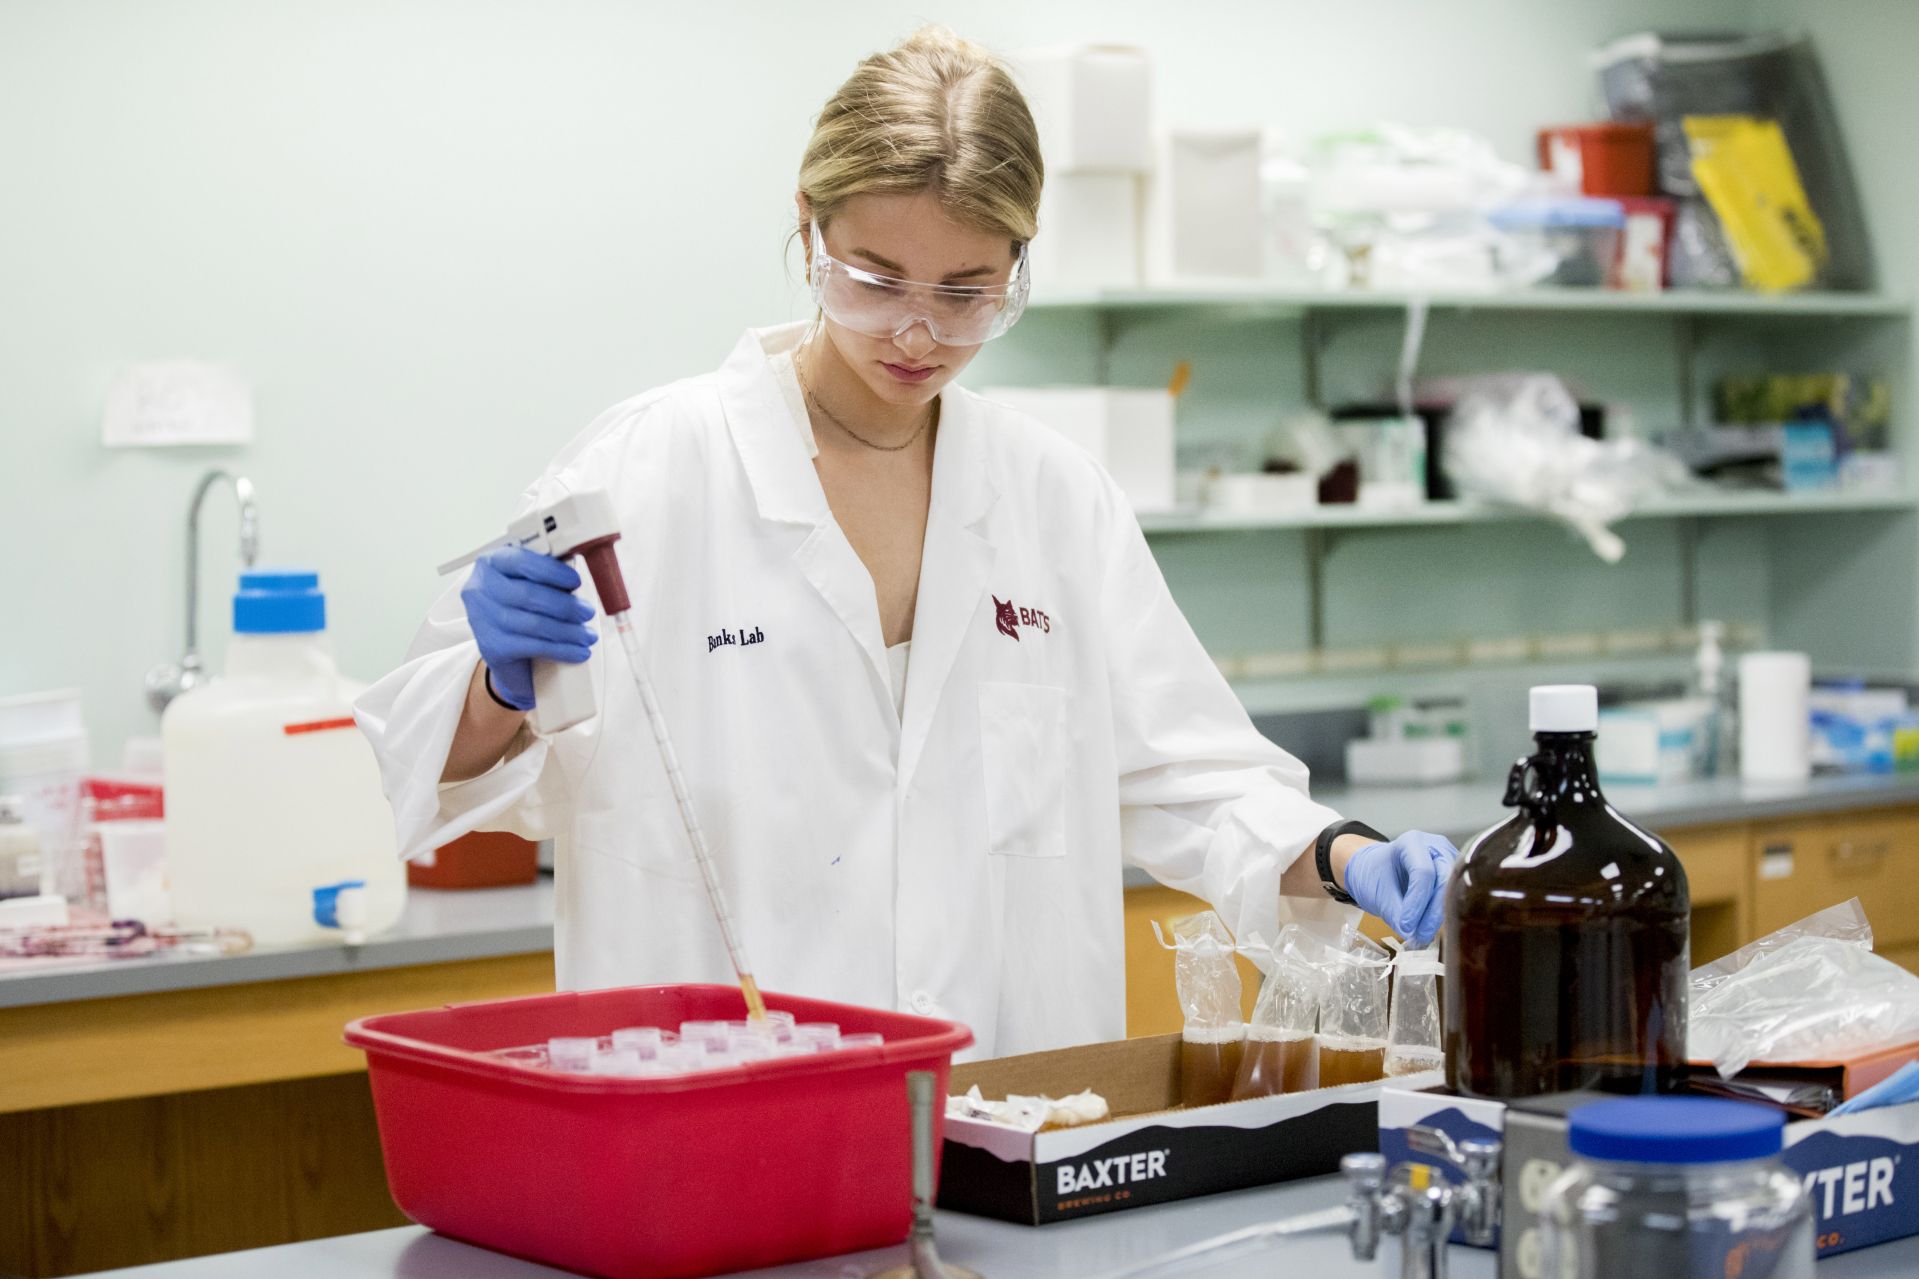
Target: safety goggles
x,y
882,307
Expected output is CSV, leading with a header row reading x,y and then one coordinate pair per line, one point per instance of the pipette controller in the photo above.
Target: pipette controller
x,y
584,524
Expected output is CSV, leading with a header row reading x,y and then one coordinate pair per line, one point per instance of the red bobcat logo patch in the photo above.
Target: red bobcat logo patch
x,y
1009,619
1005,618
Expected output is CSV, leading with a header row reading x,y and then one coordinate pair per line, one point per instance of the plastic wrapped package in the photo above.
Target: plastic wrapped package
x,y
1207,980
1515,438
1282,1051
1407,209
1775,76
1811,991
1354,991
1415,1034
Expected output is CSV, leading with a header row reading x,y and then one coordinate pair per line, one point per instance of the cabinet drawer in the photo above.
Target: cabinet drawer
x,y
1803,866
1718,862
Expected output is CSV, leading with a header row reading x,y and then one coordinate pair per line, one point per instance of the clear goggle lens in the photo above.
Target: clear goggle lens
x,y
881,306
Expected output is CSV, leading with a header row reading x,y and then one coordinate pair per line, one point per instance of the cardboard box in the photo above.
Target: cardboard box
x,y
1093,106
1202,207
1089,234
1150,1151
1129,430
1861,1171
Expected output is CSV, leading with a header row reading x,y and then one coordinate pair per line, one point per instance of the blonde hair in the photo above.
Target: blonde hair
x,y
937,114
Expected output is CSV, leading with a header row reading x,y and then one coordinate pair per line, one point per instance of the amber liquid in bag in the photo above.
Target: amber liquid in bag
x,y
1208,1069
1276,1062
1350,1061
1567,932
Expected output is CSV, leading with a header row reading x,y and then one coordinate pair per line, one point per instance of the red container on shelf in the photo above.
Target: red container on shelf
x,y
479,859
753,1165
1605,159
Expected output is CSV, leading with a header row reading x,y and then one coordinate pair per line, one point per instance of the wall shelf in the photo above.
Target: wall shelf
x,y
1706,505
1264,298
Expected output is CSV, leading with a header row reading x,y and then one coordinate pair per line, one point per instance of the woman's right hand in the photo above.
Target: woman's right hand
x,y
521,607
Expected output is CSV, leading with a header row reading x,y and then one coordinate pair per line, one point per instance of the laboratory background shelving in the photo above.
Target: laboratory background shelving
x,y
1832,572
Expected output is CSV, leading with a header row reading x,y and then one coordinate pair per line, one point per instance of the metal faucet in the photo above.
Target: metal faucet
x,y
1421,1207
1411,1200
923,1254
168,680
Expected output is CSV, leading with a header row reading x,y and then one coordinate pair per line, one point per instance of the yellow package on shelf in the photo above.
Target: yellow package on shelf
x,y
1746,170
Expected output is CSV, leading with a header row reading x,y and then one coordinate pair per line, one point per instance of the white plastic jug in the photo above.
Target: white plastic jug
x,y
276,822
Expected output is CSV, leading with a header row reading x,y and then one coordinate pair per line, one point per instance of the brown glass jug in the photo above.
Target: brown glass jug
x,y
1567,932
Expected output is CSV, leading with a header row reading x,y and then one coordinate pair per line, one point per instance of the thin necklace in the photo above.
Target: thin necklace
x,y
833,417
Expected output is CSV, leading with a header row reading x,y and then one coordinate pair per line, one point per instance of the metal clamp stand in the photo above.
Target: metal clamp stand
x,y
924,1262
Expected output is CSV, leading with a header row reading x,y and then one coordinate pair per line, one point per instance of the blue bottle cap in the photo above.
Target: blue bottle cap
x,y
1676,1130
278,601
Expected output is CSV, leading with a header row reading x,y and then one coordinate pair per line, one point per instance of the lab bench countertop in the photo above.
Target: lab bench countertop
x,y
996,1249
442,926
439,926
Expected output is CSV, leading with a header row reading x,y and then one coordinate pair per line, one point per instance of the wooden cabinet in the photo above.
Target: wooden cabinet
x,y
1810,863
1718,864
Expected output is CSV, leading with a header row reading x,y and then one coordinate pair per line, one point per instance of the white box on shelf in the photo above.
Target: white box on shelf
x,y
1257,493
1422,761
1092,105
1129,430
1088,234
1202,207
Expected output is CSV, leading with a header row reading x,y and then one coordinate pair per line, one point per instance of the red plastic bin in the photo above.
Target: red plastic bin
x,y
757,1165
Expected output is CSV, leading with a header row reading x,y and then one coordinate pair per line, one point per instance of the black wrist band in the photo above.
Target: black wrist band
x,y
486,677
1323,855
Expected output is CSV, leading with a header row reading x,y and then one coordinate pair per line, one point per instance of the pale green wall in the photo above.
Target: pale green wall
x,y
1852,594
438,237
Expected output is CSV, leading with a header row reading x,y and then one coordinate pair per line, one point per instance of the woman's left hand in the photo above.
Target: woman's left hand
x,y
1404,882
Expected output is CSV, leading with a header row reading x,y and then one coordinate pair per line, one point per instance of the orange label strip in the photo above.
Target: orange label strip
x,y
318,726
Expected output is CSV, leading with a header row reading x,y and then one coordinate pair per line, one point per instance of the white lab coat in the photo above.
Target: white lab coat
x,y
1060,719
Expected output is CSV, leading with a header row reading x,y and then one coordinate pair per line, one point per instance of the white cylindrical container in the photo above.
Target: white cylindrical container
x,y
1775,733
273,796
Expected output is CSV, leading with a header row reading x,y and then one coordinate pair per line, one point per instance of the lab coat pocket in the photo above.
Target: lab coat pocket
x,y
1023,750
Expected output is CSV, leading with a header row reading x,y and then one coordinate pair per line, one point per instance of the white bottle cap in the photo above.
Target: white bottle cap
x,y
1565,708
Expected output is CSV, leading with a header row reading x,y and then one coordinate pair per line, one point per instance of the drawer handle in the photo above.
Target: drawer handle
x,y
1847,853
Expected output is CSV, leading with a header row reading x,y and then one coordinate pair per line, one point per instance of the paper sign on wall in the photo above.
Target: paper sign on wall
x,y
165,402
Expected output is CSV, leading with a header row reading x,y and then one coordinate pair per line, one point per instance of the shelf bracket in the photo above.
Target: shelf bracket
x,y
1106,336
1316,550
1686,349
1312,346
1688,572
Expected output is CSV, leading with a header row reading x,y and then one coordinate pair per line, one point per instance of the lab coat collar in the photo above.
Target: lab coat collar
x,y
785,487
956,566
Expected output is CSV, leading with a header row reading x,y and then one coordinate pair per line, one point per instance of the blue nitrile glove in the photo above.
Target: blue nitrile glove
x,y
521,606
1404,883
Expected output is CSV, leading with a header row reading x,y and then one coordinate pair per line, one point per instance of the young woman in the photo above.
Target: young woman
x,y
925,680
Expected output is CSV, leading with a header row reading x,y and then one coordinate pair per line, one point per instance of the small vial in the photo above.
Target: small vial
x,y
644,1040
618,1061
821,1034
572,1053
707,1034
863,1040
760,1050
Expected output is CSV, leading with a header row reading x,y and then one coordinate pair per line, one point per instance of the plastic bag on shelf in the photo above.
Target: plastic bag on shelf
x,y
1773,76
1811,991
1407,208
1515,438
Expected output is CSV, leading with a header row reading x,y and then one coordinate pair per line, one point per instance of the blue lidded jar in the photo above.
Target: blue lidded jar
x,y
1677,1187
